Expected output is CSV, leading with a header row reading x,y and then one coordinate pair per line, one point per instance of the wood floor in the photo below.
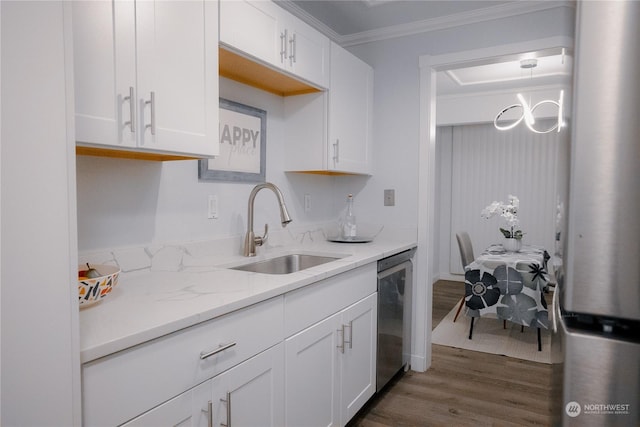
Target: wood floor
x,y
462,387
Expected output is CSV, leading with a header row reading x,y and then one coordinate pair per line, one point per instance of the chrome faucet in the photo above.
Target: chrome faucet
x,y
250,239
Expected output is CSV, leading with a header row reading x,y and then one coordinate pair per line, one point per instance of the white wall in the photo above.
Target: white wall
x,y
483,107
130,202
397,92
40,339
479,164
126,202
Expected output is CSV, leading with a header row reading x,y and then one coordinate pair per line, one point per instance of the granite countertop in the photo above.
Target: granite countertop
x,y
151,302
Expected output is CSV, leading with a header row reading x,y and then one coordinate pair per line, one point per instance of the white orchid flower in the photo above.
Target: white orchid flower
x,y
507,211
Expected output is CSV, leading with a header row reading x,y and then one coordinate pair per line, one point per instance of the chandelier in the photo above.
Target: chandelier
x,y
528,110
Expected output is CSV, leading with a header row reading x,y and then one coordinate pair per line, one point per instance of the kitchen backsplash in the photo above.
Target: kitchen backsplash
x,y
176,256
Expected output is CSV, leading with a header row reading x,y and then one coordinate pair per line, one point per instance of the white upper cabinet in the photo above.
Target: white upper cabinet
x,y
146,75
350,112
251,27
306,52
331,132
264,31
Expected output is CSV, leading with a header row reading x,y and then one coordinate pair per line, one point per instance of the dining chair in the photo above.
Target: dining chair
x,y
466,255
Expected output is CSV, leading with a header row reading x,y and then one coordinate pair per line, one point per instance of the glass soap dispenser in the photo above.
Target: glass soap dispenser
x,y
349,223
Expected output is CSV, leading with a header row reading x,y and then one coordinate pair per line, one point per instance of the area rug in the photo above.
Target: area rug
x,y
490,337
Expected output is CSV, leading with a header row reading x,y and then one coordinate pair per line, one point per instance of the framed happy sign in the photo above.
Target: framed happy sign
x,y
243,140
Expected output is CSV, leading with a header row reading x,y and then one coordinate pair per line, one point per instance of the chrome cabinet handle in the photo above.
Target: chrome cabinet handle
x,y
283,45
132,110
336,151
350,326
209,413
227,402
292,54
555,309
152,102
341,346
223,347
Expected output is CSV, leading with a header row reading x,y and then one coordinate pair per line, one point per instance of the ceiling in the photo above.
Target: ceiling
x,y
348,17
546,68
351,22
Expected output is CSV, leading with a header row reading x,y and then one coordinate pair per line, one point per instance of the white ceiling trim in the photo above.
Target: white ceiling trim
x,y
464,18
293,8
509,91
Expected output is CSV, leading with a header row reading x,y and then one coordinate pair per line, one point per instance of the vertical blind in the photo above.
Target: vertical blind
x,y
488,165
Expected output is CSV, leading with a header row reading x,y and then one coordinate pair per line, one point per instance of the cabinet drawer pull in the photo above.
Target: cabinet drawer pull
x,y
152,102
132,110
210,414
341,346
223,347
350,326
283,45
227,402
336,151
292,48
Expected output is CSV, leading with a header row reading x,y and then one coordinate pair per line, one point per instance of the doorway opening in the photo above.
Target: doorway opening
x,y
430,66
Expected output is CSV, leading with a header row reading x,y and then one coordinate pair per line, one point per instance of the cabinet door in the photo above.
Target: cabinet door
x,y
189,409
104,71
252,28
307,52
177,68
251,393
358,367
312,375
350,112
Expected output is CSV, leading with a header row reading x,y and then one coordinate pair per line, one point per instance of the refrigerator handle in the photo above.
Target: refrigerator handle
x,y
555,308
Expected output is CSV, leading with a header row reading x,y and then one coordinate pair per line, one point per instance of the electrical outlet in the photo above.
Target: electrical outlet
x,y
389,197
307,202
213,207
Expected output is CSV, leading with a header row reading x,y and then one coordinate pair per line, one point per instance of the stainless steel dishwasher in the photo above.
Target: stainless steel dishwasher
x,y
395,275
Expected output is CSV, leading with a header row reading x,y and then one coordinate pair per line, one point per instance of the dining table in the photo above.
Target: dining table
x,y
509,286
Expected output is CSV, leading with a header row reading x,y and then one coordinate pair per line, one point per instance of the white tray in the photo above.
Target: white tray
x,y
356,239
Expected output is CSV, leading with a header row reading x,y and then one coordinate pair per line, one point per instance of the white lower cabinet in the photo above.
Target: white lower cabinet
x,y
358,362
248,395
312,375
303,359
191,408
142,377
330,367
252,393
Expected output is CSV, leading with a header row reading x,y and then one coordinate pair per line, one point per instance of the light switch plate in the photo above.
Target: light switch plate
x,y
213,207
307,202
390,197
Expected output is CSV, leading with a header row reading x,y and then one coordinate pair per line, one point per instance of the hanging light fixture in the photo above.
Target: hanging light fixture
x,y
528,110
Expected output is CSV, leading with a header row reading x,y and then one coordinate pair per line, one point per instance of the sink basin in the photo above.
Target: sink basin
x,y
285,264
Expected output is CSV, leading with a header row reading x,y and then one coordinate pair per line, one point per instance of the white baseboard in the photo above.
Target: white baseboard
x,y
418,363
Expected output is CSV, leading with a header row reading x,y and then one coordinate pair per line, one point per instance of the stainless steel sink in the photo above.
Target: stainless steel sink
x,y
285,264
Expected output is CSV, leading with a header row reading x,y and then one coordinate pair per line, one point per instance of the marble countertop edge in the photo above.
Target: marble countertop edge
x,y
147,305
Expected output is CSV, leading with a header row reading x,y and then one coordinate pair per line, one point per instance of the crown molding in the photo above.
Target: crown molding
x,y
299,12
507,91
424,26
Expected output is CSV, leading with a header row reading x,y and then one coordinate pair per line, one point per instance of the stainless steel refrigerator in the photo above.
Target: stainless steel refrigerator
x,y
597,301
